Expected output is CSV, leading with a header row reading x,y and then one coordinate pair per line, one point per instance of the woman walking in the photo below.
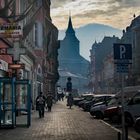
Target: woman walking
x,y
70,100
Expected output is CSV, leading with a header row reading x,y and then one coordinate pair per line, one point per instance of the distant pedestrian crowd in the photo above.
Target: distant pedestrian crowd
x,y
42,101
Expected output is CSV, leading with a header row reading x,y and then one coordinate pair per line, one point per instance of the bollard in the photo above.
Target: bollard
x,y
119,136
126,132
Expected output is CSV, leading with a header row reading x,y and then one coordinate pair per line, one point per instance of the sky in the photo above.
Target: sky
x,y
115,13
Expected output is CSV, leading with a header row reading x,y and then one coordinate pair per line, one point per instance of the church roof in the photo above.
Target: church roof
x,y
70,27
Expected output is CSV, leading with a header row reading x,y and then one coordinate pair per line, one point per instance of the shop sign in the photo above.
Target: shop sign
x,y
16,66
10,30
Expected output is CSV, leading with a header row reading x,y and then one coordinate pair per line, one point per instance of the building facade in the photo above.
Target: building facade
x,y
136,52
102,69
39,39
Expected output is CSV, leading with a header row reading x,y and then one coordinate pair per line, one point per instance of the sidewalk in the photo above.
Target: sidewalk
x,y
62,124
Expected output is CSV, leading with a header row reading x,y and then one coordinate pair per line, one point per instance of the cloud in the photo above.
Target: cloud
x,y
60,3
127,3
117,13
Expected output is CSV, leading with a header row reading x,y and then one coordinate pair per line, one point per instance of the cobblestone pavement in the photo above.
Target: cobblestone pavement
x,y
62,124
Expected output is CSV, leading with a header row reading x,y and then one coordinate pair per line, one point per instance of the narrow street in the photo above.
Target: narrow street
x,y
62,124
54,48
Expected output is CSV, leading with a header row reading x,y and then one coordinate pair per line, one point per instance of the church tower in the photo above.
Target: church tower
x,y
70,43
70,59
70,31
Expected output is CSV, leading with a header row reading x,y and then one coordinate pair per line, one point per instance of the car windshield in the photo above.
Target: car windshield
x,y
112,101
98,99
88,98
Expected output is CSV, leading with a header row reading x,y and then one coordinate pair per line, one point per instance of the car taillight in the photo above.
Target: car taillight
x,y
113,110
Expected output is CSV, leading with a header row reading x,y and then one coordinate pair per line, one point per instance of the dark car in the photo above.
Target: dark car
x,y
98,109
87,105
87,98
97,98
77,100
131,110
113,113
82,97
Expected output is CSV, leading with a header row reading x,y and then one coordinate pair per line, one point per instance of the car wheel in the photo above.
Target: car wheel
x,y
128,120
99,115
137,126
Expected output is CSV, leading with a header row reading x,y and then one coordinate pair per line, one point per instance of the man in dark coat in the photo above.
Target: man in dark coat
x,y
40,104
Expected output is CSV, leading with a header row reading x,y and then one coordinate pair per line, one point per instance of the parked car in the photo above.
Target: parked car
x,y
129,92
87,105
113,113
131,110
137,125
98,109
76,100
87,98
97,98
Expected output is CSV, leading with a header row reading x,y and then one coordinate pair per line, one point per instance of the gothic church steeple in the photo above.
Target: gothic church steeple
x,y
70,29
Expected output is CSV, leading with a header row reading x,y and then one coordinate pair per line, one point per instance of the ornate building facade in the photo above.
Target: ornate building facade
x,y
39,39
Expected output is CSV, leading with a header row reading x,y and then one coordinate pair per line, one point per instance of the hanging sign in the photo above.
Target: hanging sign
x,y
122,57
16,66
10,30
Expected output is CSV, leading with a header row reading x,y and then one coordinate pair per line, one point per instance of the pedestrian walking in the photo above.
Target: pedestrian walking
x,y
62,96
40,104
69,91
69,85
70,100
49,101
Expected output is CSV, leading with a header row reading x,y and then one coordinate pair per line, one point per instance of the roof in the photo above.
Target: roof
x,y
64,73
70,27
67,74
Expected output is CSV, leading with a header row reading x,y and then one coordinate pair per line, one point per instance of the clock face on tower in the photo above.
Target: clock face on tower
x,y
2,3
